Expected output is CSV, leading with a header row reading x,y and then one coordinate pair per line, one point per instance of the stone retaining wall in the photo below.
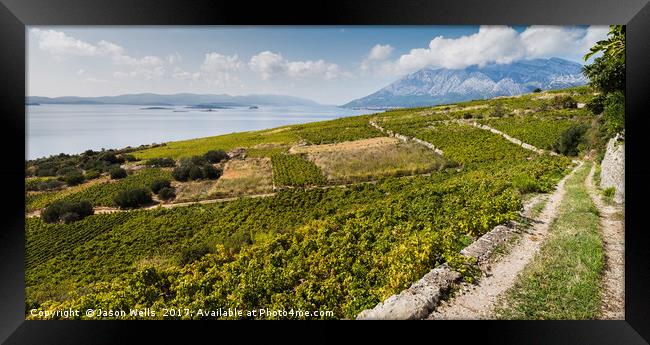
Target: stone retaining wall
x,y
612,173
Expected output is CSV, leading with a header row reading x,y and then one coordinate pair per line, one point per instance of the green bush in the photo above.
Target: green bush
x,y
467,116
216,156
564,102
525,184
49,184
111,157
614,114
609,192
166,193
74,178
129,158
67,211
92,174
568,142
133,198
117,173
596,104
537,90
195,168
159,184
194,253
161,162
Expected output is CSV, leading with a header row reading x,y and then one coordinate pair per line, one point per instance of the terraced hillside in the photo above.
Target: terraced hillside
x,y
346,216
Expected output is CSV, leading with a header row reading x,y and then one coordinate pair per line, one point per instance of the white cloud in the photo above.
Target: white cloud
x,y
271,65
380,52
268,64
498,44
60,45
216,69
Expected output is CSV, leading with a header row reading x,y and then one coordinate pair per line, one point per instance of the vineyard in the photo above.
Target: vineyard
x,y
342,248
102,194
539,132
295,171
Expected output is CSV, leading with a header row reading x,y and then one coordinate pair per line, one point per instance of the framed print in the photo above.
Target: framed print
x,y
202,162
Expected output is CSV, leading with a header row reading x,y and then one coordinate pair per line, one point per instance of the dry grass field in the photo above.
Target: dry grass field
x,y
244,177
369,159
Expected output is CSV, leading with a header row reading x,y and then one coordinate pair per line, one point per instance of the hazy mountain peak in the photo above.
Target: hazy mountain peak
x,y
431,86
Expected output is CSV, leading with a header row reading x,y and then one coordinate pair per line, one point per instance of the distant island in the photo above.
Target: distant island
x,y
201,101
155,108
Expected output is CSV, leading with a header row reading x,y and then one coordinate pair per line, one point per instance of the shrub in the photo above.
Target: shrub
x,y
596,104
74,178
564,102
118,173
211,172
537,90
133,198
129,158
111,157
467,116
161,162
195,168
49,184
92,174
614,114
609,192
196,173
67,211
166,193
525,184
194,253
216,156
181,173
567,143
159,184
498,110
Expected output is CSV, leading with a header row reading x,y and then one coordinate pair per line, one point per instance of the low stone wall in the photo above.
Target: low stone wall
x,y
421,298
405,138
612,173
511,139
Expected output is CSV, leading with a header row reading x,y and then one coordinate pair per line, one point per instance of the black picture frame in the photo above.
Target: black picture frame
x,y
15,15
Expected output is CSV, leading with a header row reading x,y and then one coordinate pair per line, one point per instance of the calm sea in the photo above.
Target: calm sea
x,y
57,128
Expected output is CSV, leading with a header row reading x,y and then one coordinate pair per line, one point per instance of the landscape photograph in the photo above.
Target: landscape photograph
x,y
325,172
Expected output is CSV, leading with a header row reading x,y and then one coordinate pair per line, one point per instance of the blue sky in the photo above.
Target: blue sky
x,y
331,65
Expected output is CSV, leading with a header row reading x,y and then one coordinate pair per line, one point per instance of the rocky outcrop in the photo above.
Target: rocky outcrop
x,y
612,173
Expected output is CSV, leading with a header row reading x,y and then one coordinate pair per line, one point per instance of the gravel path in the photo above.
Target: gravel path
x,y
613,230
477,301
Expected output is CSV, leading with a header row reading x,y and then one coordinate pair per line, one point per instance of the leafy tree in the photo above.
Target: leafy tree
x,y
216,156
607,74
66,211
92,174
537,90
74,178
161,162
159,184
614,113
568,142
133,198
166,193
118,173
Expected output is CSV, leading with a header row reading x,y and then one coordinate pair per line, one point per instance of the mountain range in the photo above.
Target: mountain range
x,y
187,99
430,86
